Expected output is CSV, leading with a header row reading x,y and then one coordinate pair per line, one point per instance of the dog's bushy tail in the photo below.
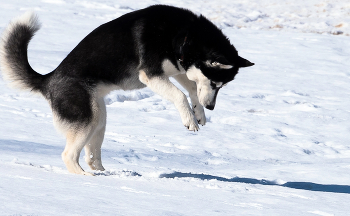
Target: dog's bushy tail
x,y
14,63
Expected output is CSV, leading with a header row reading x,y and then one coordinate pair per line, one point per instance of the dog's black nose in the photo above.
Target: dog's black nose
x,y
210,107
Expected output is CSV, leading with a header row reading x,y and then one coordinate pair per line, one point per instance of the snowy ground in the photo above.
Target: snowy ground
x,y
277,142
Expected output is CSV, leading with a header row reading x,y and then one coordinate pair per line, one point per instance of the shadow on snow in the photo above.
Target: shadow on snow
x,y
296,185
29,147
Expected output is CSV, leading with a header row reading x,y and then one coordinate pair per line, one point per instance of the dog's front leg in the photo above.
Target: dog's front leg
x,y
166,89
191,87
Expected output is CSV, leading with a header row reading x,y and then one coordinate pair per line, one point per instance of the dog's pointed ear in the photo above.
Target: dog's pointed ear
x,y
244,62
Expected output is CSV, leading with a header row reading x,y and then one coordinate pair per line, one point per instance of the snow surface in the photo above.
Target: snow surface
x,y
277,142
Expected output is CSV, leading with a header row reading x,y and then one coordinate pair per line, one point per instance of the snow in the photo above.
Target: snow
x,y
277,142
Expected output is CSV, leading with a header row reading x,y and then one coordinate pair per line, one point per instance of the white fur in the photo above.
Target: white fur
x,y
76,140
218,84
102,90
30,20
166,89
225,66
206,94
170,69
93,147
191,87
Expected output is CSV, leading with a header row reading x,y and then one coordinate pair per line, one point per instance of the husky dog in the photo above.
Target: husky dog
x,y
139,49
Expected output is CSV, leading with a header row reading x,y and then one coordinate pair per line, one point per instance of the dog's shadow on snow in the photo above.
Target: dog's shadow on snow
x,y
296,185
29,147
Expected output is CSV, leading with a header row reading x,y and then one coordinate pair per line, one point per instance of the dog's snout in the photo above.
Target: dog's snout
x,y
210,107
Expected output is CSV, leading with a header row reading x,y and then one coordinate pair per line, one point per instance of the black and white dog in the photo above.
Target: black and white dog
x,y
139,49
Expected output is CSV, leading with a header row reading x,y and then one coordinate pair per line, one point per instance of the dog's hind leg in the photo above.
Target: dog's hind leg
x,y
80,134
76,140
166,89
191,87
93,148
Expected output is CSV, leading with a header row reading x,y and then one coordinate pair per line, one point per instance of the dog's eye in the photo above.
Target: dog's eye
x,y
215,63
212,63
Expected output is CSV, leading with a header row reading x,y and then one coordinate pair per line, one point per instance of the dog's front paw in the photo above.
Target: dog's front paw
x,y
192,126
200,114
190,122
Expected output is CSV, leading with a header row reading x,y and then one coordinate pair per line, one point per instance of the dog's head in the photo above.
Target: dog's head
x,y
211,75
209,59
